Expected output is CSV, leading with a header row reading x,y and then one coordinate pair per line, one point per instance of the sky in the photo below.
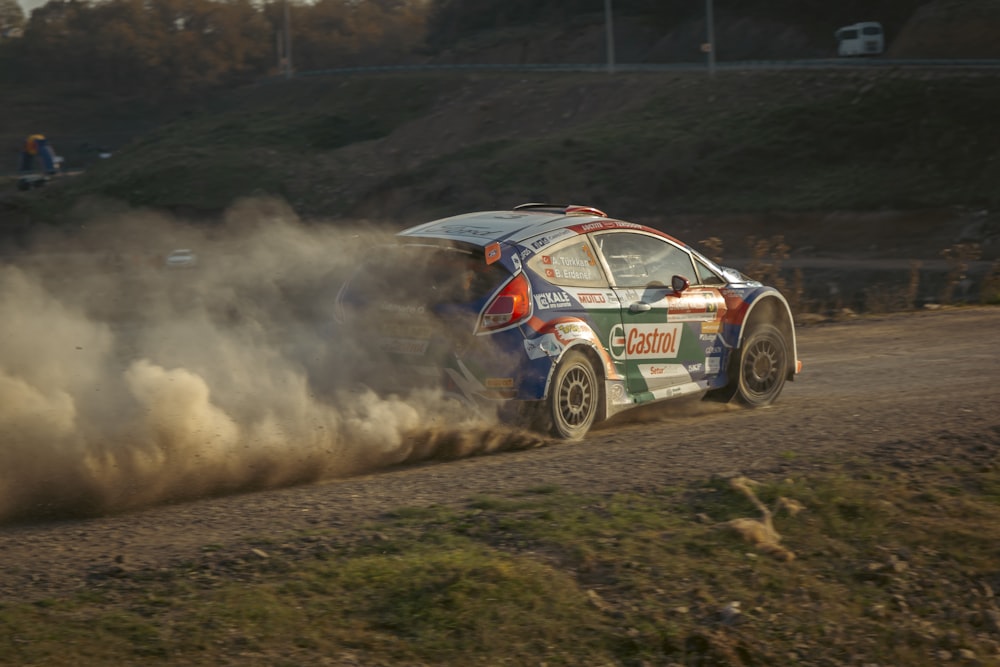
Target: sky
x,y
28,5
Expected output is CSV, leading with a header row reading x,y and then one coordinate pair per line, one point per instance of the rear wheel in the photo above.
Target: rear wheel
x,y
574,397
763,366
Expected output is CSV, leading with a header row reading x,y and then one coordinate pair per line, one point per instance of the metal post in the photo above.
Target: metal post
x,y
710,45
609,28
288,43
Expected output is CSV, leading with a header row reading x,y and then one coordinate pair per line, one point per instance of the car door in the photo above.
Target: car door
x,y
667,336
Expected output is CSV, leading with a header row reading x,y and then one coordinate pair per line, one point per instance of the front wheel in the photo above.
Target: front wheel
x,y
573,397
763,366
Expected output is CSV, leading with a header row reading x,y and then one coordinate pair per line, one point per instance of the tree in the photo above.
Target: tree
x,y
339,33
148,45
11,16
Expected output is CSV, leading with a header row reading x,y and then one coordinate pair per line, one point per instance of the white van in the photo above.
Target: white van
x,y
860,39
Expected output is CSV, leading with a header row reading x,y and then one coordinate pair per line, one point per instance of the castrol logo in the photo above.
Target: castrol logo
x,y
645,341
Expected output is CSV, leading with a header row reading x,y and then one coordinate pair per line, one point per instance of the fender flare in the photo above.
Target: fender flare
x,y
770,295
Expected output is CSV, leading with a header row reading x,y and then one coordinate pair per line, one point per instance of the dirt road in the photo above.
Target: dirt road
x,y
906,386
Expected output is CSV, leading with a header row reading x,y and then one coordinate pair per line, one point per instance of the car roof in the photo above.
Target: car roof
x,y
517,225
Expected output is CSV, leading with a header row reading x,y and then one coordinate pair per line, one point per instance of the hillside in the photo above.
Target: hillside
x,y
405,146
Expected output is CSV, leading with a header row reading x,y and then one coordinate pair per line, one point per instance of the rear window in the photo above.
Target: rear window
x,y
570,264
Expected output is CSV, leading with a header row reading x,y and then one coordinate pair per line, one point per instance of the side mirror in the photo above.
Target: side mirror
x,y
679,283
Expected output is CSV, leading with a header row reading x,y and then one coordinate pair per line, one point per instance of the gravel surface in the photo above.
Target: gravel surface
x,y
906,386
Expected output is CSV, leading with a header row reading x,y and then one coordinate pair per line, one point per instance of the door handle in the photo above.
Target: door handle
x,y
639,307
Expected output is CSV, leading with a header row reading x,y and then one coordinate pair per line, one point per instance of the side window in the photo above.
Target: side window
x,y
637,260
707,276
571,264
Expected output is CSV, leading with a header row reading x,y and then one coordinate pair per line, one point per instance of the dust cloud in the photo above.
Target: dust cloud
x,y
125,383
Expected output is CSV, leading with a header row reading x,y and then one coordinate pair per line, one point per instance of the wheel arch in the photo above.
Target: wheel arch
x,y
771,307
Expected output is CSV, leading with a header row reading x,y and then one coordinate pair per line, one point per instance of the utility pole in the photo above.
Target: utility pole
x,y
609,29
709,46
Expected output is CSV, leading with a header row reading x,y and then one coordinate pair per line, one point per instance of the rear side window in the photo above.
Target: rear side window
x,y
871,30
570,264
849,34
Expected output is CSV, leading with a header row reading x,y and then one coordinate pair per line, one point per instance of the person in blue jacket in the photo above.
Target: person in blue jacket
x,y
36,147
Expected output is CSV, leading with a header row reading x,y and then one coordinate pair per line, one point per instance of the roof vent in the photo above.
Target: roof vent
x,y
560,208
585,210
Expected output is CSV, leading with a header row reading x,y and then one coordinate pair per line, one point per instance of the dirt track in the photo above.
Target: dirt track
x,y
906,386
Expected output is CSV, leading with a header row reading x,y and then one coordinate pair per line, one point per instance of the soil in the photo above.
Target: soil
x,y
912,389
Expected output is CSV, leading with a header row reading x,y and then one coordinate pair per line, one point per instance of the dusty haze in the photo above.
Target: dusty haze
x,y
123,383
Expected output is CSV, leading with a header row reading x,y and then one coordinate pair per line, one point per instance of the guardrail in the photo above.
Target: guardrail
x,y
824,63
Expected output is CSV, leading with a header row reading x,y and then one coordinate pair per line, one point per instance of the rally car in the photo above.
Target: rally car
x,y
564,317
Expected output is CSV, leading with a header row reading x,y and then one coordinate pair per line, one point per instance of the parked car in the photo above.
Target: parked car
x,y
564,316
182,258
860,39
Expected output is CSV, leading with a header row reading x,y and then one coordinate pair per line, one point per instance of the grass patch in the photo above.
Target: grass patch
x,y
890,568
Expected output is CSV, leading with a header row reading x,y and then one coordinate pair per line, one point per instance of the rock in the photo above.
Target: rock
x,y
260,553
877,611
731,613
898,566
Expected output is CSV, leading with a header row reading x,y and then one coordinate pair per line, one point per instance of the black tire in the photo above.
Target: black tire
x,y
574,397
763,366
